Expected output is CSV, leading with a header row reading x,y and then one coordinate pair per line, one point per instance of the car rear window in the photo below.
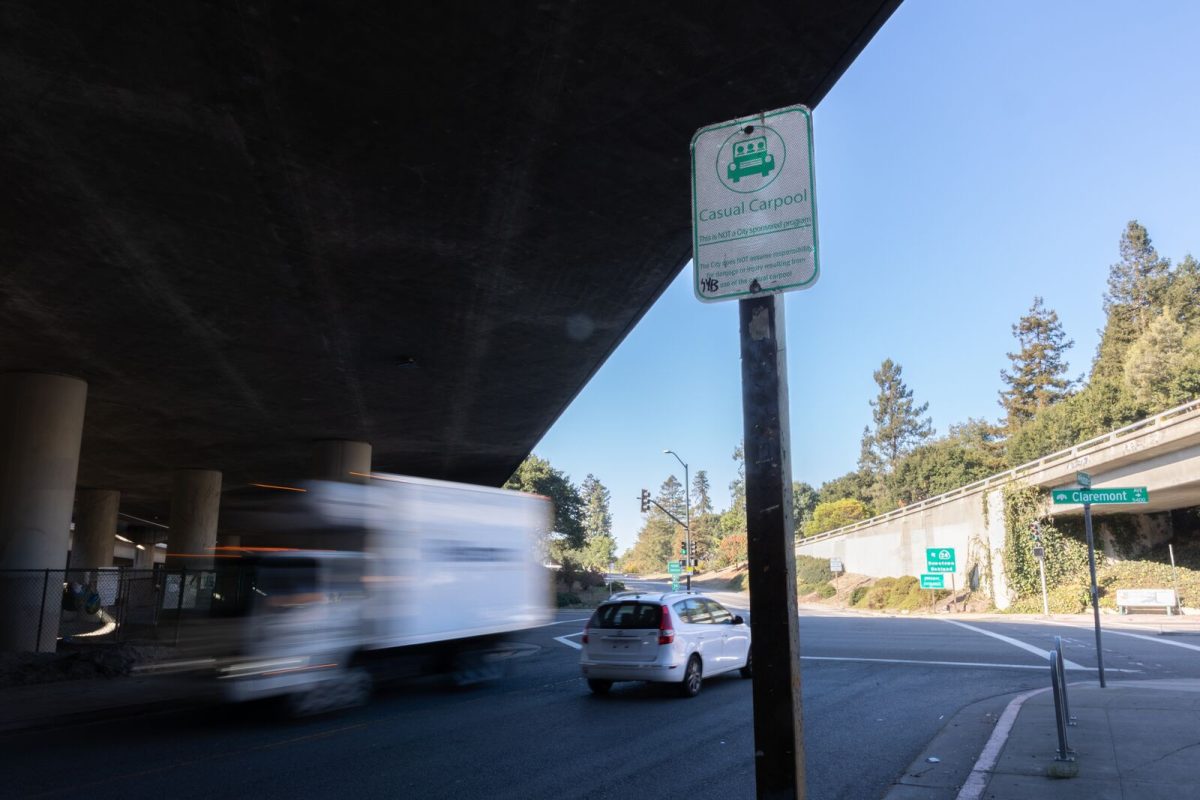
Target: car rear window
x,y
627,615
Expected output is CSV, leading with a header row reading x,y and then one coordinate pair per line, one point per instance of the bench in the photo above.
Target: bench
x,y
1146,598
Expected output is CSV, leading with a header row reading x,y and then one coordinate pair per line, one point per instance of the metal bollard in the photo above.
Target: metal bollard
x,y
1065,753
1062,680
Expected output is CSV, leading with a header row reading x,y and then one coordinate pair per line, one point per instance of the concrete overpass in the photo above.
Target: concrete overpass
x,y
1161,453
248,243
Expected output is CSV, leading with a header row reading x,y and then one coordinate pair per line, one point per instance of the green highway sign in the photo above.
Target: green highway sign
x,y
1137,494
1083,479
933,581
674,567
939,559
754,216
674,583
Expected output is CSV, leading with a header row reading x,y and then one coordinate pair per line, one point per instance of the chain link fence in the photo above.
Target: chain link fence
x,y
104,605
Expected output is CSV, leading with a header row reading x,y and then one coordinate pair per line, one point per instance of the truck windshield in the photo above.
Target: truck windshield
x,y
627,615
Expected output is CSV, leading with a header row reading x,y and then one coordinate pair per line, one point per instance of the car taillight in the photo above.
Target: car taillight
x,y
585,632
666,634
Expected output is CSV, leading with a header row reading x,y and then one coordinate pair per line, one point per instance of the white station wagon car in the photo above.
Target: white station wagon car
x,y
671,637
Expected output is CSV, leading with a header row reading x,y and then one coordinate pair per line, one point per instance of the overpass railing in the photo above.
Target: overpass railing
x,y
1172,415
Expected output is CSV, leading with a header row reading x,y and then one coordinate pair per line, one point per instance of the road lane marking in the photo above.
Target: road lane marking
x,y
567,640
1158,639
560,622
1068,664
977,781
1015,643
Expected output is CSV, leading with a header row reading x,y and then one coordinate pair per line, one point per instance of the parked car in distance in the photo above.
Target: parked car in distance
x,y
663,637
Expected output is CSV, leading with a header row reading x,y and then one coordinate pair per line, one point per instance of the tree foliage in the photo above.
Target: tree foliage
x,y
701,502
804,501
827,516
1038,377
537,476
970,452
600,547
898,422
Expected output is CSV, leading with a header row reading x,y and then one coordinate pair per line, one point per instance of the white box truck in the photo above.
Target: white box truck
x,y
346,584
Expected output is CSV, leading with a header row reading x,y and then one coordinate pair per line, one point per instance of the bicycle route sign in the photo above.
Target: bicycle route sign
x,y
754,214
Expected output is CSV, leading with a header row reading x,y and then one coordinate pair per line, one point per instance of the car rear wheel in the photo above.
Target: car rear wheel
x,y
693,677
748,670
599,686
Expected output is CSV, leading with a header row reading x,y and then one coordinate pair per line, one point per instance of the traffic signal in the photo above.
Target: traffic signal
x,y
1035,530
645,501
683,549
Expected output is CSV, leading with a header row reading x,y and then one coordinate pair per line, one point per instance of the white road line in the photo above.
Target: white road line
x,y
953,663
560,622
567,640
1158,639
977,781
1039,652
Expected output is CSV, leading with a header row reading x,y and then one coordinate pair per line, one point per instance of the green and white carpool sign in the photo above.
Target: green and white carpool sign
x,y
754,215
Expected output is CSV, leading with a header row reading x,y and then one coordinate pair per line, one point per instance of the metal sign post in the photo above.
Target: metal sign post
x,y
754,234
1087,496
1087,527
775,647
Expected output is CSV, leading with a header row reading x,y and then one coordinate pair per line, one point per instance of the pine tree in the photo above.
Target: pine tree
x,y
671,496
1038,369
701,502
599,549
898,423
1137,288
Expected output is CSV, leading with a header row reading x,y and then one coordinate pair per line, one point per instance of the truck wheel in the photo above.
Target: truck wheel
x,y
599,686
477,666
693,677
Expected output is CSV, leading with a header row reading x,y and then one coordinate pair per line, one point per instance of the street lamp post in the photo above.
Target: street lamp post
x,y
687,510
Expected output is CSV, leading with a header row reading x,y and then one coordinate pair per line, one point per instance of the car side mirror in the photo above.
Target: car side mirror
x,y
737,621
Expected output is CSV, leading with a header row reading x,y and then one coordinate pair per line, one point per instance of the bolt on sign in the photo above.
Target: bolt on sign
x,y
754,213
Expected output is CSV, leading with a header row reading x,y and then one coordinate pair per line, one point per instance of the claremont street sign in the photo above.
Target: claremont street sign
x,y
754,216
1137,494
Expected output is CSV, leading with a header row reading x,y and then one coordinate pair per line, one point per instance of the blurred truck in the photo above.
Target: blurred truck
x,y
337,586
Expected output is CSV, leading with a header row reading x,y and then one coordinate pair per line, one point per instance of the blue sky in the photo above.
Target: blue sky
x,y
975,155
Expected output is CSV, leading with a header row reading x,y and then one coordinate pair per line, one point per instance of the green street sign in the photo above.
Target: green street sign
x,y
939,559
933,581
675,583
754,212
674,568
1083,479
1099,497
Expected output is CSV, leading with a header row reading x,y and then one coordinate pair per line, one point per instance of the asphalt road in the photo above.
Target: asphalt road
x,y
876,690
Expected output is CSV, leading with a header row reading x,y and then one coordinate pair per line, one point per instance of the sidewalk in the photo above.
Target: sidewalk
x,y
61,703
1134,740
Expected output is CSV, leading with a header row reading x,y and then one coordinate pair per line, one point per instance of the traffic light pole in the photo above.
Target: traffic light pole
x,y
775,647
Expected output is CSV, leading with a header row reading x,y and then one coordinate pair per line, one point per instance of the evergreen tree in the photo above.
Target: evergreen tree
x,y
701,502
1137,287
898,423
804,500
733,520
671,497
1038,369
597,518
600,547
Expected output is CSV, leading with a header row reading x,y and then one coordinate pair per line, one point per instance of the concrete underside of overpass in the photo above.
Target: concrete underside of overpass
x,y
250,226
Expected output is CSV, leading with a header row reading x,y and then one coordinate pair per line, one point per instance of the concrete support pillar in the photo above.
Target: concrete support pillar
x,y
340,460
144,558
41,425
95,528
195,505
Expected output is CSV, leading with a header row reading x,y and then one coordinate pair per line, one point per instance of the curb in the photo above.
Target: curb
x,y
958,746
107,714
